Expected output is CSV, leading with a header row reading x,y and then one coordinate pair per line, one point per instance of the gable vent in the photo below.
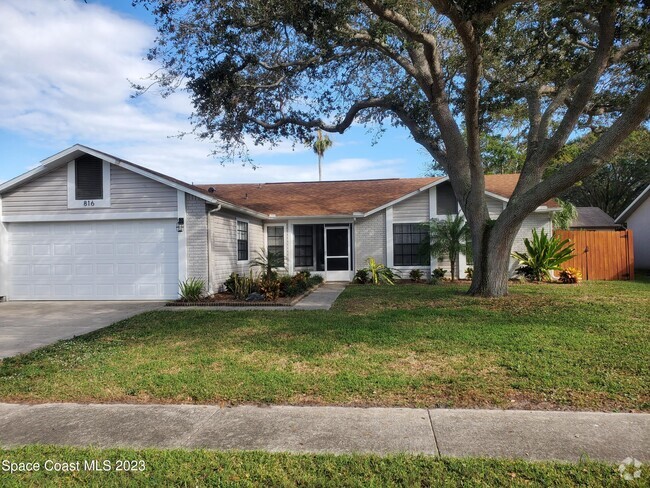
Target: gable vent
x,y
89,184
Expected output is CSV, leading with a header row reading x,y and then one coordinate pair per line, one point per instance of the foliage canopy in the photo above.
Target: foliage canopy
x,y
450,71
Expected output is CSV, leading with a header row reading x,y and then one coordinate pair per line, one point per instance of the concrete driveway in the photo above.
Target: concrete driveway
x,y
25,326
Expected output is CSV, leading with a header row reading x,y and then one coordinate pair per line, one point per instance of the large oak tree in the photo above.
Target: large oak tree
x,y
264,70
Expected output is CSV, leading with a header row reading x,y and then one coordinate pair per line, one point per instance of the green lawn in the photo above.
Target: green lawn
x,y
211,468
545,346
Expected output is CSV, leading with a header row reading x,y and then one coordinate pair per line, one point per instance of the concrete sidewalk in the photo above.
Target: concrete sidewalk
x,y
534,435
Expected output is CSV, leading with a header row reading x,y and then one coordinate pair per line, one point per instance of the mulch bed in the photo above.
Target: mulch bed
x,y
226,299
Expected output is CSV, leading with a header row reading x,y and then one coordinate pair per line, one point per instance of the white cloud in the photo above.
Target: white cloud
x,y
65,78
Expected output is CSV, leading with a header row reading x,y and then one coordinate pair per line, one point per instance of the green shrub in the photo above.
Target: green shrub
x,y
285,283
415,275
439,273
303,275
191,290
361,276
291,286
469,272
315,280
291,291
544,255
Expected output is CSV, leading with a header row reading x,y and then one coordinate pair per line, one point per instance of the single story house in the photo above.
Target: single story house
x,y
85,225
593,218
637,217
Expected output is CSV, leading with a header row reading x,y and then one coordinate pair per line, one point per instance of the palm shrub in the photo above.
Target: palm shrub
x,y
543,255
191,290
447,238
268,262
379,273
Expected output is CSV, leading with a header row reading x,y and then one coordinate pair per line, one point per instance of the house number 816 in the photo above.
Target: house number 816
x,y
89,203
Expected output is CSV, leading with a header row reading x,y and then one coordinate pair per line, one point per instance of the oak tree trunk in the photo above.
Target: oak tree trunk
x,y
492,248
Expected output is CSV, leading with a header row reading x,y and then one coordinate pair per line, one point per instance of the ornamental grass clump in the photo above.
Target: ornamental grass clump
x,y
191,290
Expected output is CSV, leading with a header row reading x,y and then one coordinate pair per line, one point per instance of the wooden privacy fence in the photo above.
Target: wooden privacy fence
x,y
601,254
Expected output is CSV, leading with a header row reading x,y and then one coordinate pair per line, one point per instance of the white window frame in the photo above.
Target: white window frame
x,y
285,239
104,202
248,241
412,266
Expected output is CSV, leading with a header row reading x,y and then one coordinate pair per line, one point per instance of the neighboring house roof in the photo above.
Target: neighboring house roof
x,y
319,198
638,201
593,218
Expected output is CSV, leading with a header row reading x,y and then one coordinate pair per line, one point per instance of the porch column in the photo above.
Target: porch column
x,y
433,213
389,237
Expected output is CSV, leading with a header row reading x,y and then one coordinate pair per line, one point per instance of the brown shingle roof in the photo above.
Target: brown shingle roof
x,y
318,198
315,198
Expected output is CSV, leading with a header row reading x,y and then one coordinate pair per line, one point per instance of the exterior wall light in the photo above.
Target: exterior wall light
x,y
180,224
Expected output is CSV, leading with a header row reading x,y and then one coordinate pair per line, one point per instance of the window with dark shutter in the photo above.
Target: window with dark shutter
x,y
89,178
446,199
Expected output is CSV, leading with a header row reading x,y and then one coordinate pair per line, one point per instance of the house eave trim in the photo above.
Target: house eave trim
x,y
88,216
405,197
631,208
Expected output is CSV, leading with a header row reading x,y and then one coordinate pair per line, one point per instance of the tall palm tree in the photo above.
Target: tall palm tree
x,y
447,238
321,144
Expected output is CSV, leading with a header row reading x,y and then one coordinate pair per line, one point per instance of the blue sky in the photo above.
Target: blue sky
x,y
65,71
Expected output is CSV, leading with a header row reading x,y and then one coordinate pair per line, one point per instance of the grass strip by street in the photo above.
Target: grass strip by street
x,y
574,347
236,468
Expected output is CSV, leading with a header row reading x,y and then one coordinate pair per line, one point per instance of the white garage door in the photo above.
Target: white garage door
x,y
106,260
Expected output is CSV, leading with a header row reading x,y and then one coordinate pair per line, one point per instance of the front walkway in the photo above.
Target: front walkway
x,y
533,435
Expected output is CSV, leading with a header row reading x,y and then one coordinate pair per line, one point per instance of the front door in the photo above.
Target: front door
x,y
337,253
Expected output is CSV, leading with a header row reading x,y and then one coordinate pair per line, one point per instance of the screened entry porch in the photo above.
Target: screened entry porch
x,y
324,249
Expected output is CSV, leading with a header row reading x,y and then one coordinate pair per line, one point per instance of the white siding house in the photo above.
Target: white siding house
x,y
85,225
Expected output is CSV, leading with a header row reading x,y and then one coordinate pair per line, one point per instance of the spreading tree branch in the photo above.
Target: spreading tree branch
x,y
591,159
535,164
